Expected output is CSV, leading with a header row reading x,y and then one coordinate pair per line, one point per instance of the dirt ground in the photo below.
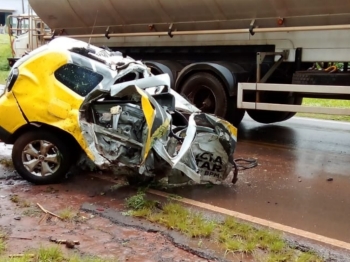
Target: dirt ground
x,y
92,209
27,227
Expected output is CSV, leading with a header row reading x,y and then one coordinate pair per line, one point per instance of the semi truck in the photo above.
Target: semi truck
x,y
228,57
26,32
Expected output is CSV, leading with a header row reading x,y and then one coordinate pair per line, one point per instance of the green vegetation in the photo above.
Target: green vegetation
x,y
326,103
3,76
19,202
50,254
231,235
2,242
68,214
32,211
6,163
5,52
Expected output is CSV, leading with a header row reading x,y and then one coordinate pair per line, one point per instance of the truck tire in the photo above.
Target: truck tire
x,y
269,117
234,115
314,77
41,157
207,93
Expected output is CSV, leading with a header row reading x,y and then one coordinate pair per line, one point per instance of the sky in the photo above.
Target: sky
x,y
14,5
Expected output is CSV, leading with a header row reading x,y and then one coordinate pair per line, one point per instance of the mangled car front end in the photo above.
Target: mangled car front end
x,y
131,122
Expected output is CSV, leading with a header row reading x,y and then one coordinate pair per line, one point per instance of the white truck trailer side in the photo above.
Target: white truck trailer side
x,y
226,56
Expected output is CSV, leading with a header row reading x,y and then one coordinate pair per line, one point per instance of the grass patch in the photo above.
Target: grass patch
x,y
19,201
138,202
32,211
2,242
308,257
51,254
326,102
5,52
331,103
3,76
68,214
231,235
6,163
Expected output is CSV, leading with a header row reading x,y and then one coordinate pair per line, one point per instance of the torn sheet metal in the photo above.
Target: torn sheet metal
x,y
134,126
122,116
128,120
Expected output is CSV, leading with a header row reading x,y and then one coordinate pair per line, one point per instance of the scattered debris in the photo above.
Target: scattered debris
x,y
48,212
23,238
68,243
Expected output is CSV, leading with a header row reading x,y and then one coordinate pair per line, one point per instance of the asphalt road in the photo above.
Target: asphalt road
x,y
290,186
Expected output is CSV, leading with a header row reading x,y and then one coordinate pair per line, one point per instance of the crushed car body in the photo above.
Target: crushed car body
x,y
118,114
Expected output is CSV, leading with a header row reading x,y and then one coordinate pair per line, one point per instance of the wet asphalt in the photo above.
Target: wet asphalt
x,y
303,177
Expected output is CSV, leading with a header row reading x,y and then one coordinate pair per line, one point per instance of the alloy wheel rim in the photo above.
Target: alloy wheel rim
x,y
41,158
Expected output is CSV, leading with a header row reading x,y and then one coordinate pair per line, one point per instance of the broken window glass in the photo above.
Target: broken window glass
x,y
79,79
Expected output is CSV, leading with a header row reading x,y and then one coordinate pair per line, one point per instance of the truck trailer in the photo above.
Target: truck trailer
x,y
227,57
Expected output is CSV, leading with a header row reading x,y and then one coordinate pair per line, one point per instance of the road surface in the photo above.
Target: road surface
x,y
290,186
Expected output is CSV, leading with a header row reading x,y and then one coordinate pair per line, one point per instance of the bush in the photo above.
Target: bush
x,y
5,52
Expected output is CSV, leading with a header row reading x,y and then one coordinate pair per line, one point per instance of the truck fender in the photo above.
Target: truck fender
x,y
165,67
225,72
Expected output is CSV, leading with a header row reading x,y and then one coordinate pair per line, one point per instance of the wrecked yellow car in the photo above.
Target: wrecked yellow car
x,y
69,103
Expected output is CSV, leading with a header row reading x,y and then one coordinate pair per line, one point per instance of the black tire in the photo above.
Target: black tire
x,y
314,77
268,117
297,101
138,180
52,144
202,87
234,115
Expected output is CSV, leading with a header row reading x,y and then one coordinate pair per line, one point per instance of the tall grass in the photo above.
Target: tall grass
x,y
5,52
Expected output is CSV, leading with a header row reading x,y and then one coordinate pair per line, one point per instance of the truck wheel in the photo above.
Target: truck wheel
x,y
41,157
234,115
207,93
268,117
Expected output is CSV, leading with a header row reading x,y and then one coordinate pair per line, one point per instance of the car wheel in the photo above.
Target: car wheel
x,y
41,157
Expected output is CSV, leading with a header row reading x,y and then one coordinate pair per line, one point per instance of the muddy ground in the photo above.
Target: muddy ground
x,y
98,236
27,228
95,209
